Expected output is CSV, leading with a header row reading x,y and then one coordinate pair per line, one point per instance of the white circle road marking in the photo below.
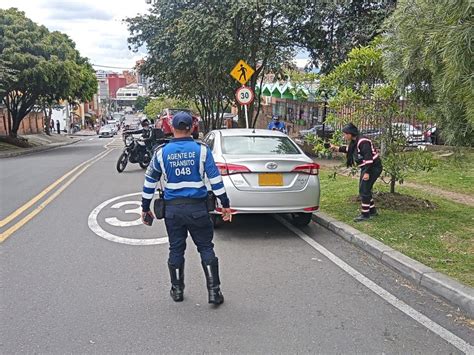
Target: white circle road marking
x,y
97,229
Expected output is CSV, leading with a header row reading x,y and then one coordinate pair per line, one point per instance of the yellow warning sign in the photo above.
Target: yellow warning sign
x,y
242,72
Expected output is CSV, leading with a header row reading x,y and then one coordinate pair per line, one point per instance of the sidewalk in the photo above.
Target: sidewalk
x,y
38,143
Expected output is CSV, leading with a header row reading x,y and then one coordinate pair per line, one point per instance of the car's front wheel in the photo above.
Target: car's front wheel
x,y
301,219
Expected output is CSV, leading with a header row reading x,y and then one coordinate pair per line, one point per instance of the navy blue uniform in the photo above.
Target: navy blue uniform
x,y
367,159
184,164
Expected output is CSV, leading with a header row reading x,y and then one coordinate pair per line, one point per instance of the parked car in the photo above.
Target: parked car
x,y
106,131
371,133
265,172
318,130
164,122
410,132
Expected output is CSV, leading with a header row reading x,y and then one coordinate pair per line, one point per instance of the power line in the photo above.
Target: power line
x,y
112,67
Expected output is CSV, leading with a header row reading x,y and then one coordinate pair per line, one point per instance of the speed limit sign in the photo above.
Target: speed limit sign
x,y
244,95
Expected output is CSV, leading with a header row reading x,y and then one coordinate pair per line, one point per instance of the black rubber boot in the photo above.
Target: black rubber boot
x,y
362,217
177,282
211,270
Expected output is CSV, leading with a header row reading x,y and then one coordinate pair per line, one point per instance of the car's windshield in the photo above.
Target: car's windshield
x,y
258,145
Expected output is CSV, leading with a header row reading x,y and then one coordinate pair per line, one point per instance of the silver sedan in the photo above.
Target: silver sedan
x,y
265,172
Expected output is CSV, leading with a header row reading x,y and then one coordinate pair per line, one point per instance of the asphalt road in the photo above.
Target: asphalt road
x,y
68,289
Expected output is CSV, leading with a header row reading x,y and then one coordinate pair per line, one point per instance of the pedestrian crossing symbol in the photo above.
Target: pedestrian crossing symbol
x,y
242,72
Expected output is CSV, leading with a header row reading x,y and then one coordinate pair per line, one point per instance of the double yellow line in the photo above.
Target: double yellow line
x,y
74,174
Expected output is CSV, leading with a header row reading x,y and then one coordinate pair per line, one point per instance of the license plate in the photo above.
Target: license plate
x,y
270,179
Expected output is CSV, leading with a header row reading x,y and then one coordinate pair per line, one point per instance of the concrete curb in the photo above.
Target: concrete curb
x,y
42,148
438,283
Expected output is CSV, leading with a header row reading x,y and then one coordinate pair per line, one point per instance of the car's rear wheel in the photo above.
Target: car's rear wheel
x,y
301,219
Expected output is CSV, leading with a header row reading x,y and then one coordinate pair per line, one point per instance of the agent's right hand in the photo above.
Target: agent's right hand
x,y
146,218
226,214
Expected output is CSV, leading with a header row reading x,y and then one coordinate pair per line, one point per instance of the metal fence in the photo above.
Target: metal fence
x,y
320,119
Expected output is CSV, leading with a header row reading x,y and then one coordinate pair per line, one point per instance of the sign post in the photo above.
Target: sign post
x,y
242,72
245,97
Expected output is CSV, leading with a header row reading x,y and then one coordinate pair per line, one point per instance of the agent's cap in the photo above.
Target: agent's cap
x,y
182,121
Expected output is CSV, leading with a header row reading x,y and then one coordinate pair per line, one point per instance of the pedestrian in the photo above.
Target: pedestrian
x,y
183,163
277,125
361,152
51,126
58,127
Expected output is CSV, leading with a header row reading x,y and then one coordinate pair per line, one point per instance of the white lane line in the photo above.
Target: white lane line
x,y
91,139
387,296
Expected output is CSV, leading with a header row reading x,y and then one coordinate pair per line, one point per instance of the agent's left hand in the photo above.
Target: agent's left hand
x,y
366,177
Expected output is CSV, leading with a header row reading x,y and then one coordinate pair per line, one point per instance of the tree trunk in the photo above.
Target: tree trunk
x,y
392,184
15,126
47,121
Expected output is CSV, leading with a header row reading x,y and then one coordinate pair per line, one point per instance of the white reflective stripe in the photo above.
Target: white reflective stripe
x,y
159,155
147,196
215,180
184,184
365,205
219,191
375,156
362,140
202,160
149,184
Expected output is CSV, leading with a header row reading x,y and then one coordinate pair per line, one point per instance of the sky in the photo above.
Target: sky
x,y
95,26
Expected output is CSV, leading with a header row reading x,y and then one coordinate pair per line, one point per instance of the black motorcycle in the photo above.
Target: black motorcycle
x,y
135,151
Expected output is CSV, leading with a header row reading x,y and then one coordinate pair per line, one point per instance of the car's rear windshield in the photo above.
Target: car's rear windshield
x,y
175,111
258,145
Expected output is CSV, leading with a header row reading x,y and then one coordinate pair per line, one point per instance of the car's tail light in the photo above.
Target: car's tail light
x,y
310,169
311,209
229,169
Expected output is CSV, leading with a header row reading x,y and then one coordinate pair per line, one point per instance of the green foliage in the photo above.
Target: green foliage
x,y
328,30
361,84
154,108
193,45
141,102
46,65
320,145
428,52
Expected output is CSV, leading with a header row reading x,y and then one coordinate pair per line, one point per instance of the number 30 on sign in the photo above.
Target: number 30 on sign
x,y
244,95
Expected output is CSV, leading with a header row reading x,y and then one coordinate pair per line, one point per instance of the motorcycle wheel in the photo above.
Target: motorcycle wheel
x,y
144,164
122,162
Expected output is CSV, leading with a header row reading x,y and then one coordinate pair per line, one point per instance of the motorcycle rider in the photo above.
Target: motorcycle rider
x,y
277,125
149,135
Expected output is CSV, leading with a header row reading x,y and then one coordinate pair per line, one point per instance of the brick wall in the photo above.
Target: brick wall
x,y
31,124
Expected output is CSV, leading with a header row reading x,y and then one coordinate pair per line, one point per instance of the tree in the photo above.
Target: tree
x,y
48,67
428,53
361,85
156,106
141,102
328,30
193,45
